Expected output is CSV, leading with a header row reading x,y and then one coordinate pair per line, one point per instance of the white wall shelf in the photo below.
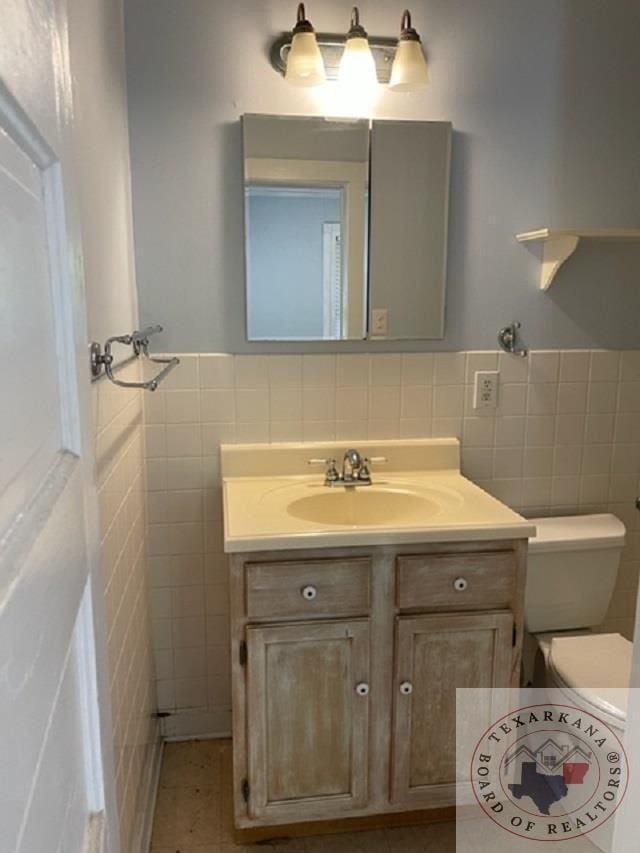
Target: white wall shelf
x,y
560,243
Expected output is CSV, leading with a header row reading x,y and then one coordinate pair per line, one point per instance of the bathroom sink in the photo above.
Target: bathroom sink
x,y
271,502
367,507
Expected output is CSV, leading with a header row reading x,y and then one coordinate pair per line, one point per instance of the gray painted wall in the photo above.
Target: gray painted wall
x,y
543,100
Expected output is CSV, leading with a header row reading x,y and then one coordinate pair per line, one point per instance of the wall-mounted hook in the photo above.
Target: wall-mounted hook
x,y
508,340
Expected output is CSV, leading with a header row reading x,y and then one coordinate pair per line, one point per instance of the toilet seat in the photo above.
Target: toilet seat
x,y
594,670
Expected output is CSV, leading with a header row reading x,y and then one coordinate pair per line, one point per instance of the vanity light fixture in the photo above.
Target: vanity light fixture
x,y
305,66
409,72
305,58
357,68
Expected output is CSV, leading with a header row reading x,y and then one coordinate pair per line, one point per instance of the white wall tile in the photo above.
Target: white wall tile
x,y
564,438
318,404
574,365
218,406
630,366
319,371
252,405
542,398
216,371
184,376
183,440
285,404
384,402
286,431
572,397
417,368
416,401
448,401
449,368
512,399
510,431
351,430
182,407
252,431
479,361
155,441
251,371
385,368
285,371
604,366
513,368
540,430
352,370
602,397
567,460
351,403
543,366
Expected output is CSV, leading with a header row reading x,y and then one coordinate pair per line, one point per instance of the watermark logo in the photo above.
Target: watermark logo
x,y
549,772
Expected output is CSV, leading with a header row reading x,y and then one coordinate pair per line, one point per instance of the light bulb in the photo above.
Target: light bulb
x,y
357,67
409,72
304,61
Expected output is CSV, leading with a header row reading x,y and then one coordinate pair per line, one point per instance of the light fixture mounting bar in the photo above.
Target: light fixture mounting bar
x,y
331,47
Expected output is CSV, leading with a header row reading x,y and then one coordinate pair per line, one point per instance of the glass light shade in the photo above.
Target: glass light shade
x,y
357,66
409,71
304,62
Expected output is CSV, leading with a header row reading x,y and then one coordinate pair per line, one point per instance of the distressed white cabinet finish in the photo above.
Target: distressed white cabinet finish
x,y
308,713
345,663
434,656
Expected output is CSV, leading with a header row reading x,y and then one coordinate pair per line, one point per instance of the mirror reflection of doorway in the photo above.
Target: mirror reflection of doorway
x,y
294,263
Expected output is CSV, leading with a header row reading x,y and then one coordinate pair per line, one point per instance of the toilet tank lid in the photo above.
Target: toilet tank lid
x,y
577,532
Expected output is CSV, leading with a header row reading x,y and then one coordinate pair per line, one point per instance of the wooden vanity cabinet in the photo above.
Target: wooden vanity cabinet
x,y
345,664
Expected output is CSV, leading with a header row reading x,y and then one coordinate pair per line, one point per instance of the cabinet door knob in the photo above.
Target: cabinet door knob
x,y
406,688
309,592
460,584
362,689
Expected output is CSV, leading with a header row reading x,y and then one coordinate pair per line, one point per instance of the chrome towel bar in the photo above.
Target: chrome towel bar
x,y
139,341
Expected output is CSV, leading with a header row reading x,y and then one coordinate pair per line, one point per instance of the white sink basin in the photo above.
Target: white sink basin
x,y
271,502
368,506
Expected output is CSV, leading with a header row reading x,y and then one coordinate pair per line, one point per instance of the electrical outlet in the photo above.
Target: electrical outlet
x,y
485,389
379,322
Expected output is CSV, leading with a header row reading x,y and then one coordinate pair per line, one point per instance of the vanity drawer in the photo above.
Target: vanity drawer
x,y
456,581
308,588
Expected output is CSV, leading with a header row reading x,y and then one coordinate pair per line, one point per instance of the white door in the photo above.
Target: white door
x,y
53,730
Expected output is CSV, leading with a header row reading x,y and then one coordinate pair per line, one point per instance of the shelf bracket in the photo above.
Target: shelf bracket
x,y
555,252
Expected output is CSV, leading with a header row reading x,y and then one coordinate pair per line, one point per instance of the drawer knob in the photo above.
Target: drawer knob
x,y
362,689
460,584
406,688
309,592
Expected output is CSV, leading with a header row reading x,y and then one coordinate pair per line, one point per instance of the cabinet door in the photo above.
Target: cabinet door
x,y
434,655
308,719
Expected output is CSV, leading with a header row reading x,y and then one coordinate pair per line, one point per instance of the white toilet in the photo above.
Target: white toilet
x,y
571,574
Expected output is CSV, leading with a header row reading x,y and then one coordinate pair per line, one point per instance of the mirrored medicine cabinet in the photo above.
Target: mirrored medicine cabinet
x,y
345,228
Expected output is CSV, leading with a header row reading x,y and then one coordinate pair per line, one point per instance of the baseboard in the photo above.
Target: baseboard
x,y
193,723
154,781
202,736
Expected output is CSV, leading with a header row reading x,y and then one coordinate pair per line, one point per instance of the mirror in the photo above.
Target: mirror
x,y
345,228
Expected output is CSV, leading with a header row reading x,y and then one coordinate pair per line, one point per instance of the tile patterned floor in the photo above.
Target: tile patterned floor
x,y
194,813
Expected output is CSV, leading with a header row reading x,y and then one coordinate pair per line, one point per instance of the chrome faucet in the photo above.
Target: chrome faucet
x,y
356,469
351,466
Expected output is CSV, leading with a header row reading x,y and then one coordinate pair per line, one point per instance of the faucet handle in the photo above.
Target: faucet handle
x,y
331,472
364,474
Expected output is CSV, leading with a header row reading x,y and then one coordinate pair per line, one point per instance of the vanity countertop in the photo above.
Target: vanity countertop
x,y
418,495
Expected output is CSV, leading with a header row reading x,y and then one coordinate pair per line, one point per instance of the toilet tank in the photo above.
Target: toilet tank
x,y
571,571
